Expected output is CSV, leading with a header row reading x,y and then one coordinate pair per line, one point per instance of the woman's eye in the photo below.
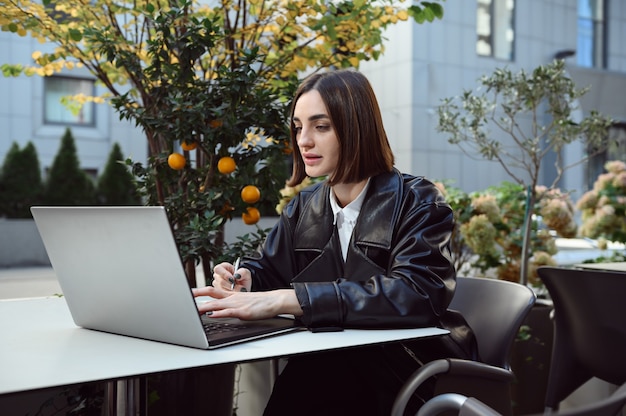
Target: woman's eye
x,y
323,127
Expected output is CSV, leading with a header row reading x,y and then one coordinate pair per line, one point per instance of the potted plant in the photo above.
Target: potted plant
x,y
517,119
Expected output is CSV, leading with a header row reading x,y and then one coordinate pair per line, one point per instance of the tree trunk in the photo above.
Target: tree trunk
x,y
207,260
528,213
190,271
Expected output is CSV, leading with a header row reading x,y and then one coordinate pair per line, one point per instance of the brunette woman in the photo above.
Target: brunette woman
x,y
366,248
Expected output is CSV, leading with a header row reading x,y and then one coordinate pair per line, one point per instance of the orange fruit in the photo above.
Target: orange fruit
x,y
216,123
176,161
188,146
250,194
226,165
251,216
226,209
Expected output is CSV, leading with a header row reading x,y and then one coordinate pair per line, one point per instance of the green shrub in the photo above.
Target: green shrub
x,y
67,183
20,182
116,185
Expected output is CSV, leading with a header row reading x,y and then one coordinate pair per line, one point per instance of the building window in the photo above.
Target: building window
x,y
494,28
57,90
615,151
591,45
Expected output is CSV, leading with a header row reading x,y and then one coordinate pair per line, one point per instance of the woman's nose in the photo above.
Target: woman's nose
x,y
304,138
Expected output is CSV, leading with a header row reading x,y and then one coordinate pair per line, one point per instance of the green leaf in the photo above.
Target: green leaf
x,y
331,32
417,14
429,14
436,8
12,27
76,35
11,70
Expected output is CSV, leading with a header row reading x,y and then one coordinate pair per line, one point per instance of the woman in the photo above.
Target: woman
x,y
367,248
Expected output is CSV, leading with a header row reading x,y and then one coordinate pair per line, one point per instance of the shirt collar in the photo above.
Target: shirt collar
x,y
351,211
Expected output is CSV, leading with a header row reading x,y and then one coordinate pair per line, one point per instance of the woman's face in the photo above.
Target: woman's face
x,y
315,135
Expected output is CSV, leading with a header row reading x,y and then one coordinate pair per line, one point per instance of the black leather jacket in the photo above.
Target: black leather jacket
x,y
398,271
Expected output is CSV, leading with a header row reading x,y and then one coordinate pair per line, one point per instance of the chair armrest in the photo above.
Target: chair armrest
x,y
448,366
442,403
459,367
464,406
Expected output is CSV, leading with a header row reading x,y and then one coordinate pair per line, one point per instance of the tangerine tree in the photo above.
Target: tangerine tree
x,y
209,83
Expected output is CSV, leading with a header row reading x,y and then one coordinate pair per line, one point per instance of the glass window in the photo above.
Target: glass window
x,y
615,151
56,89
591,34
494,28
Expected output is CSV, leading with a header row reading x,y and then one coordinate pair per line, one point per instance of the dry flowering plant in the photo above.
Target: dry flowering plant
x,y
604,207
488,233
289,192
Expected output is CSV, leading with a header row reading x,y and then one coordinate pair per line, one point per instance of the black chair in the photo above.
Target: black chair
x,y
457,404
495,310
590,329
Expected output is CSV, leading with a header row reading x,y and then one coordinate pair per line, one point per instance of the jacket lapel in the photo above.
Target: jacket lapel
x,y
316,241
379,212
314,236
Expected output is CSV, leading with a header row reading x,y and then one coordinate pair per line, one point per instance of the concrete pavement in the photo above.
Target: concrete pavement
x,y
28,282
34,282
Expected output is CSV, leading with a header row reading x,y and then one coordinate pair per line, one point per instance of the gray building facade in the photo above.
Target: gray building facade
x,y
425,63
422,64
30,110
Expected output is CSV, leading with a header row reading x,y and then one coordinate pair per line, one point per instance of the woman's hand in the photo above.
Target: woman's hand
x,y
248,305
226,277
237,301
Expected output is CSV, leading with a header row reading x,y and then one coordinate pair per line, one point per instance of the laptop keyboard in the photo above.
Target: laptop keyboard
x,y
213,327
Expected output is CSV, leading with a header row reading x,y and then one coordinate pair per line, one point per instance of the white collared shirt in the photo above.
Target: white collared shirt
x,y
345,218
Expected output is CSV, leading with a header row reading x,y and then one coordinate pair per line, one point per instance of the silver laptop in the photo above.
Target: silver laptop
x,y
120,272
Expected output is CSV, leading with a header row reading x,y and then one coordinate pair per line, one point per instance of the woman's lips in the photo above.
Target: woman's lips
x,y
311,159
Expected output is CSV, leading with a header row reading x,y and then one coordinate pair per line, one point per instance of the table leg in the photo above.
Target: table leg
x,y
125,397
110,399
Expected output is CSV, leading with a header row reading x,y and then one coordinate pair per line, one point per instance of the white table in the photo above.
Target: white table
x,y
40,347
618,266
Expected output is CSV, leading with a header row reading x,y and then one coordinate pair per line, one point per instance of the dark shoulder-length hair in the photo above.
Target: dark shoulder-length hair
x,y
364,150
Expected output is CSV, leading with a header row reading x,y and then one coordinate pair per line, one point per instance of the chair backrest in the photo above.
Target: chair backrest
x,y
495,310
609,406
590,329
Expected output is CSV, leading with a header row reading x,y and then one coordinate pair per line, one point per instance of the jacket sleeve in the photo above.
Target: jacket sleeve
x,y
274,266
414,289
